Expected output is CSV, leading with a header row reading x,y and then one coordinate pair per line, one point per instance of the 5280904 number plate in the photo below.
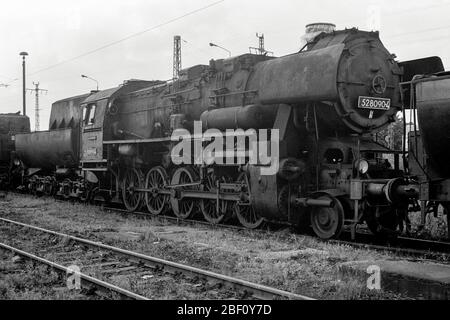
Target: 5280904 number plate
x,y
374,103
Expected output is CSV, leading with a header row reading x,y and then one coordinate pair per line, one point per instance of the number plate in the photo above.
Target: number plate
x,y
374,103
91,152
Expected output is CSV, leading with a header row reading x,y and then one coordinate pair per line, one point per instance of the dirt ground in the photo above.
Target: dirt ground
x,y
287,261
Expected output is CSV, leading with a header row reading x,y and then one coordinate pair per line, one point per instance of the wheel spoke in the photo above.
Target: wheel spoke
x,y
156,180
327,223
245,213
131,181
183,208
209,206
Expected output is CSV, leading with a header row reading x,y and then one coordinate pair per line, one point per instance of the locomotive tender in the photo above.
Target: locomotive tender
x,y
429,141
325,101
10,125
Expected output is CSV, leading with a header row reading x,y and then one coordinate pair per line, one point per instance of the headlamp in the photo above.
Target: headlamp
x,y
362,166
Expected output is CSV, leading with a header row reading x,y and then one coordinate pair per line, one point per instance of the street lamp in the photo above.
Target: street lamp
x,y
215,45
24,90
84,76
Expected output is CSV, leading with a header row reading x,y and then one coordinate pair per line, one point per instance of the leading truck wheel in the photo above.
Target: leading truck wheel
x,y
131,181
382,221
245,213
327,223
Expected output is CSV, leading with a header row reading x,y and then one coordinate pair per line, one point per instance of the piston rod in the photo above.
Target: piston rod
x,y
310,202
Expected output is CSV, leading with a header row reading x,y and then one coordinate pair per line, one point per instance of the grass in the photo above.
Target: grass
x,y
435,227
22,280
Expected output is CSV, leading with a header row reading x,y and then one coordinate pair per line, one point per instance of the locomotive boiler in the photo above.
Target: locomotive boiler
x,y
322,104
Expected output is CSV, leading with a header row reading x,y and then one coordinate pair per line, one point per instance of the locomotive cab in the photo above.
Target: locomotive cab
x,y
99,123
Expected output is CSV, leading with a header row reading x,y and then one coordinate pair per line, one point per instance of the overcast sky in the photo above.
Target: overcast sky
x,y
54,31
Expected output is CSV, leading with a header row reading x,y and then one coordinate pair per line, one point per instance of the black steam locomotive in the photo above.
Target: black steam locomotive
x,y
312,112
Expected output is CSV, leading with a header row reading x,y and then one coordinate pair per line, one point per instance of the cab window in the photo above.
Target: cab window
x,y
89,114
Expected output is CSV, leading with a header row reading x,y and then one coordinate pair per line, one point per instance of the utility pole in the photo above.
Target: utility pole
x,y
176,56
37,91
24,54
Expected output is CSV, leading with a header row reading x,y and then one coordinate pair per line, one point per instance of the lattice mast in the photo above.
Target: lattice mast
x,y
37,92
261,43
261,50
176,56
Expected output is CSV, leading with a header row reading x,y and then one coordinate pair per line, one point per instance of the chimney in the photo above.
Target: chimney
x,y
314,29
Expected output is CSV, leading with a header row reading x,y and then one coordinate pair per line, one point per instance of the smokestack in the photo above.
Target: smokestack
x,y
314,29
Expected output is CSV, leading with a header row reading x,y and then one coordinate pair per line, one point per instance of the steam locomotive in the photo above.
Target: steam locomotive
x,y
319,107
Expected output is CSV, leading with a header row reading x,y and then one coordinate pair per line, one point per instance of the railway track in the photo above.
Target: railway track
x,y
86,281
404,246
95,257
